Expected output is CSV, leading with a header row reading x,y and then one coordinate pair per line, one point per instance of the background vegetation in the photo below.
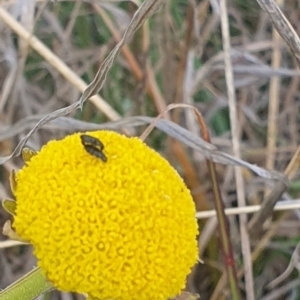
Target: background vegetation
x,y
177,57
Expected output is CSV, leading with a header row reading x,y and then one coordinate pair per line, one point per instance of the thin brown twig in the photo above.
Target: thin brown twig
x,y
223,225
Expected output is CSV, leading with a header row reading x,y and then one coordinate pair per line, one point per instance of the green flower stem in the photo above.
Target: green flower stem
x,y
30,286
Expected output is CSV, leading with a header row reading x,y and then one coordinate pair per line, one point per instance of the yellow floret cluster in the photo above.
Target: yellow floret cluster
x,y
124,229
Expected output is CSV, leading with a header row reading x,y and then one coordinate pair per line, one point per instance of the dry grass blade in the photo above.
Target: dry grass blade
x,y
245,240
274,101
65,123
147,9
280,206
179,133
283,26
9,244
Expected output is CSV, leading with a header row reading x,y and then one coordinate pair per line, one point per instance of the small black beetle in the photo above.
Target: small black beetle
x,y
93,146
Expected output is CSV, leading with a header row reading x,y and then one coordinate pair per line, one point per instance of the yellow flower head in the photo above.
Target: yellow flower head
x,y
110,219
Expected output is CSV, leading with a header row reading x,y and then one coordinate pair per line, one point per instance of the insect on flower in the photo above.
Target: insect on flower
x,y
93,146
